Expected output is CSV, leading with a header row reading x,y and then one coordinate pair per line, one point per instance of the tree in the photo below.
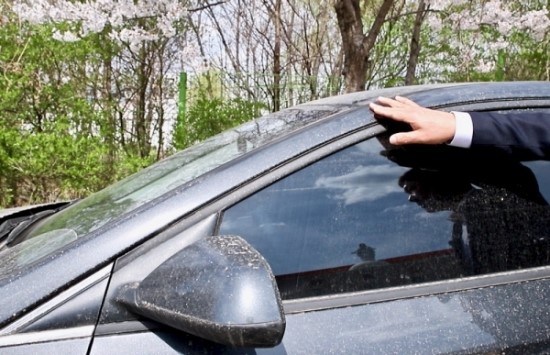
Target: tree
x,y
448,40
138,41
281,52
490,40
356,44
102,75
414,50
87,87
210,112
48,145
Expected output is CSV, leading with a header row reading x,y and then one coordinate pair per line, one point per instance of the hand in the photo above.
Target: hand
x,y
428,126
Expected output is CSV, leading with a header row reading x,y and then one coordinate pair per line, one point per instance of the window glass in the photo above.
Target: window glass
x,y
113,202
370,217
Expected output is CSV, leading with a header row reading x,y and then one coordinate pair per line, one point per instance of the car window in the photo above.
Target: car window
x,y
373,216
113,202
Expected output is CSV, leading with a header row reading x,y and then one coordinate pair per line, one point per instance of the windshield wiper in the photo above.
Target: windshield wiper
x,y
13,228
8,225
24,225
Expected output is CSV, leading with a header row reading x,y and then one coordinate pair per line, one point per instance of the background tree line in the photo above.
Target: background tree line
x,y
90,91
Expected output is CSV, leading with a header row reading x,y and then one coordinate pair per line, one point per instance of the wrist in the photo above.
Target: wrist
x,y
463,131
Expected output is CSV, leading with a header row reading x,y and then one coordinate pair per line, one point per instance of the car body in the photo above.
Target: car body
x,y
303,231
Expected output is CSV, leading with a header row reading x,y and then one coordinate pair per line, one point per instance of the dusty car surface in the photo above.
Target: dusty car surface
x,y
303,231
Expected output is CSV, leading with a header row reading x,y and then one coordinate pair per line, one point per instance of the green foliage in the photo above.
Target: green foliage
x,y
52,135
208,116
389,56
76,116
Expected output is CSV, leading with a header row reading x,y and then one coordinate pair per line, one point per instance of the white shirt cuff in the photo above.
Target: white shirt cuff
x,y
464,130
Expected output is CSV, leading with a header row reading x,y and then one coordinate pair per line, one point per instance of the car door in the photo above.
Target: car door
x,y
371,251
379,249
63,324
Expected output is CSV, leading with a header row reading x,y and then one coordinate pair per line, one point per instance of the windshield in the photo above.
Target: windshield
x,y
120,198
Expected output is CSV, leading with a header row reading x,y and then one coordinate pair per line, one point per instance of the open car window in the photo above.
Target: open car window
x,y
374,216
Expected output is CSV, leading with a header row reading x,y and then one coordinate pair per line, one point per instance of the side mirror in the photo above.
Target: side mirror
x,y
219,288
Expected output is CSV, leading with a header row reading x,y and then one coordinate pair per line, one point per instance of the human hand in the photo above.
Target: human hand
x,y
428,126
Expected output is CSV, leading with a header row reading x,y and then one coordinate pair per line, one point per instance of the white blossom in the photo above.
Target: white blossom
x,y
94,15
444,4
470,15
485,66
65,36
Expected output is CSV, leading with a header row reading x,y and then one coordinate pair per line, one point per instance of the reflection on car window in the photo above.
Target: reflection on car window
x,y
369,217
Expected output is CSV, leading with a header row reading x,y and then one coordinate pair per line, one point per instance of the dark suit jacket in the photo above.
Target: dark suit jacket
x,y
526,135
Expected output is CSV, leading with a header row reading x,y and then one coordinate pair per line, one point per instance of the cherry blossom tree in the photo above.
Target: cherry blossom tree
x,y
142,51
123,18
505,16
492,36
104,74
98,71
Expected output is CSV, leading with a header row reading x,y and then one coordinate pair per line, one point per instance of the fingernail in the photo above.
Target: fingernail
x,y
392,140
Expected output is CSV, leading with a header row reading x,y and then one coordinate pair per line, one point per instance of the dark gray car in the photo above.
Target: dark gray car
x,y
301,232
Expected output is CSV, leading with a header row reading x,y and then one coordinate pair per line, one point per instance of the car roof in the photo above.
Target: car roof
x,y
330,118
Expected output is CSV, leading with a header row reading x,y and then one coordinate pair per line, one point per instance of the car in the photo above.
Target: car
x,y
303,231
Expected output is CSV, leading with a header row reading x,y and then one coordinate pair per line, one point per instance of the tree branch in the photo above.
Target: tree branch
x,y
207,6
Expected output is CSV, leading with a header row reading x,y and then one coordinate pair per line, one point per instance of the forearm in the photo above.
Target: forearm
x,y
526,135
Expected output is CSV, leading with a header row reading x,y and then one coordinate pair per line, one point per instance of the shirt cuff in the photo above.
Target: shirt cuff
x,y
464,130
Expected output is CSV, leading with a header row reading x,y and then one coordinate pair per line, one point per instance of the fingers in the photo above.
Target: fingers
x,y
404,138
398,101
406,101
390,112
389,102
398,109
428,126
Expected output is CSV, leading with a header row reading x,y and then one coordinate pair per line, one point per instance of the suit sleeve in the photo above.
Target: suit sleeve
x,y
526,135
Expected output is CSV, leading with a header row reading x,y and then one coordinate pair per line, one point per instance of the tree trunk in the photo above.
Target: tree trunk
x,y
355,44
410,78
111,129
277,57
141,129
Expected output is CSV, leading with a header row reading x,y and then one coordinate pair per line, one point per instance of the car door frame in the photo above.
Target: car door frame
x,y
332,144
